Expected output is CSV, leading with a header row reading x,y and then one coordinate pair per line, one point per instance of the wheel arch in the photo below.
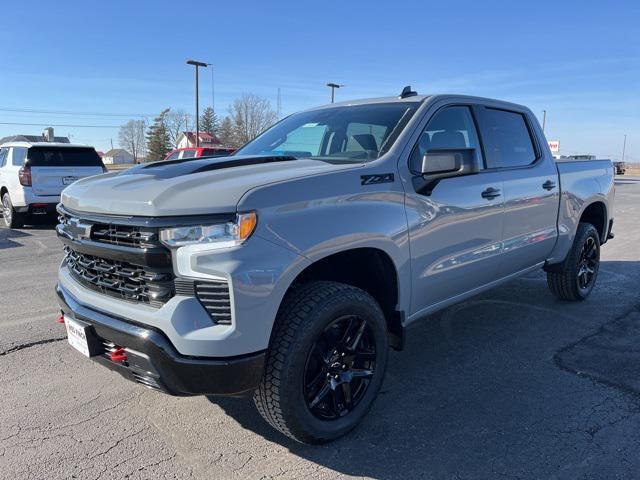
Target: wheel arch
x,y
368,268
595,213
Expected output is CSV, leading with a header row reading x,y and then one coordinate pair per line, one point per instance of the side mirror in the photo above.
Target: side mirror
x,y
443,163
437,164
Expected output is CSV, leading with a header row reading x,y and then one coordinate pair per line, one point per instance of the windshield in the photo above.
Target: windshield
x,y
345,133
64,157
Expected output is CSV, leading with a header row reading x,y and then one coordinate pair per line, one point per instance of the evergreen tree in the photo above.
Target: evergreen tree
x,y
226,133
158,141
209,121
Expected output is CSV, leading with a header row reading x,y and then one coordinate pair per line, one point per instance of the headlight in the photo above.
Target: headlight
x,y
224,234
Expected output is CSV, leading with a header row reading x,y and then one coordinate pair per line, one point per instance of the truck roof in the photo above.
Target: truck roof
x,y
420,99
42,144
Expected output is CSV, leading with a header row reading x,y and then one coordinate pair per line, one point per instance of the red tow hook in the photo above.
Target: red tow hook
x,y
60,318
119,355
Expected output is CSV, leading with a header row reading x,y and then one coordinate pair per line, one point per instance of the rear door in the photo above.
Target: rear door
x,y
53,168
531,189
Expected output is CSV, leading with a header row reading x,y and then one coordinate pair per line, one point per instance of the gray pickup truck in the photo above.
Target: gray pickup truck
x,y
287,270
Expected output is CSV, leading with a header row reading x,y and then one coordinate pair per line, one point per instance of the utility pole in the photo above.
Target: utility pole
x,y
197,64
624,146
544,119
333,87
111,143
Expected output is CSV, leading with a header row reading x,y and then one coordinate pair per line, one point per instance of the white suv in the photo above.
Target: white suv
x,y
33,174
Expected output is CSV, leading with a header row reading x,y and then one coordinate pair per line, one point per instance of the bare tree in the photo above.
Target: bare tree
x,y
251,115
178,121
132,138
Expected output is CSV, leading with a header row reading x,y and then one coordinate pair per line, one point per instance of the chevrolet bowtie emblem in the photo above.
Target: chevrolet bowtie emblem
x,y
77,230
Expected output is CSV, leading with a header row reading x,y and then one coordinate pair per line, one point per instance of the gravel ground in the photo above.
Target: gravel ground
x,y
511,384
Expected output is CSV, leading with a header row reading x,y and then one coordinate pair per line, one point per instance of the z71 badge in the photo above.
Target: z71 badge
x,y
376,178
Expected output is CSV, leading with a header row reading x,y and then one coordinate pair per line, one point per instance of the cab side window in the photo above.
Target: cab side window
x,y
507,139
450,128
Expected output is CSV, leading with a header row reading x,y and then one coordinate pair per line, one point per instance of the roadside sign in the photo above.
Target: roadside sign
x,y
554,145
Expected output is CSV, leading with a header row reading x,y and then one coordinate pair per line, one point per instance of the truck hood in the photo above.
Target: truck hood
x,y
185,187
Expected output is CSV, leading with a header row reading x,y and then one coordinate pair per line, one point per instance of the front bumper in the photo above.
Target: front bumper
x,y
153,361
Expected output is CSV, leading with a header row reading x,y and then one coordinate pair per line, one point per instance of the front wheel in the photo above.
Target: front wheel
x,y
580,270
326,362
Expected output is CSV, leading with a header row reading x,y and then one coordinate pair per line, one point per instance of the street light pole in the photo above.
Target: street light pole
x,y
197,64
544,119
212,91
333,87
624,146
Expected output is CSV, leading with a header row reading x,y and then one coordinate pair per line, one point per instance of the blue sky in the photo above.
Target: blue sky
x,y
578,60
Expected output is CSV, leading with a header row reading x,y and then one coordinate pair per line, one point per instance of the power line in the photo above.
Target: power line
x,y
66,112
59,125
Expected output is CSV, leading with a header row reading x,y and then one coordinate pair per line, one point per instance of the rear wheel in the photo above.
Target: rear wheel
x,y
578,276
10,217
325,364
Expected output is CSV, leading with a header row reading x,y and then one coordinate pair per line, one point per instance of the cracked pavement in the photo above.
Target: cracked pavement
x,y
511,384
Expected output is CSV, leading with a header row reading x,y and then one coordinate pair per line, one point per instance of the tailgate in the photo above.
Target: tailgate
x,y
55,167
52,180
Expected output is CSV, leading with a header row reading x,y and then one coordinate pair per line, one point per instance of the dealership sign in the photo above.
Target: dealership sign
x,y
554,145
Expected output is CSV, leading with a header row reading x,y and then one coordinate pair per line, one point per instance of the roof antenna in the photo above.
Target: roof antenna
x,y
407,92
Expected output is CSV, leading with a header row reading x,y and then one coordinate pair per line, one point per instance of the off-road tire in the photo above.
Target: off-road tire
x,y
11,218
303,315
564,284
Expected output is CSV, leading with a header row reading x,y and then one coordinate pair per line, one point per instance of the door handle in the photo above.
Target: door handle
x,y
549,185
491,193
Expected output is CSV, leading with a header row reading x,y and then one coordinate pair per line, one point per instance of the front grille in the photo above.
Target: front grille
x,y
122,280
124,235
147,275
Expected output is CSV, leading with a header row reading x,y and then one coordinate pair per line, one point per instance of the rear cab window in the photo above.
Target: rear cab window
x,y
18,156
216,152
3,156
64,157
507,137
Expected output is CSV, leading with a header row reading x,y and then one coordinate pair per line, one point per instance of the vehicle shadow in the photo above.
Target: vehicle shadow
x,y
7,235
478,391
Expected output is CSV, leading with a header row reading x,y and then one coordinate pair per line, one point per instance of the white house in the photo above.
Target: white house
x,y
117,156
188,140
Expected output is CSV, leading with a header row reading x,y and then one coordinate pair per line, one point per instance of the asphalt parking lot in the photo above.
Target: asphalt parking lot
x,y
511,384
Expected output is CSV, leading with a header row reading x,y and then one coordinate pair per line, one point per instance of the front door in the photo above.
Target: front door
x,y
455,229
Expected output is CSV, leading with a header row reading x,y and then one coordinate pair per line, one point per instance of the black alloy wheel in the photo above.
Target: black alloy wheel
x,y
588,261
339,367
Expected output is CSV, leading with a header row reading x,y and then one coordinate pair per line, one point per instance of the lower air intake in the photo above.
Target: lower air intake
x,y
215,298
